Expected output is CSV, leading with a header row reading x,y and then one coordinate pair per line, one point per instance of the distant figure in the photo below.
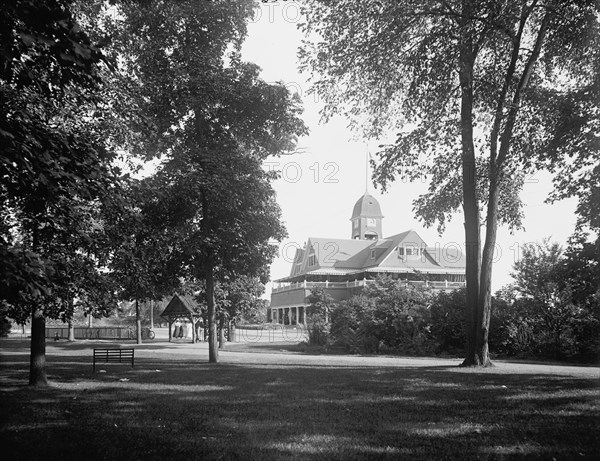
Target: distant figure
x,y
177,329
198,329
183,330
189,326
56,336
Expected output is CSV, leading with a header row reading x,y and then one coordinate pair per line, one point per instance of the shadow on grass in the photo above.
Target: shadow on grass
x,y
182,409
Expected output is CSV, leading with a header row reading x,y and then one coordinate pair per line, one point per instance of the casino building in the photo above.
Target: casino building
x,y
344,266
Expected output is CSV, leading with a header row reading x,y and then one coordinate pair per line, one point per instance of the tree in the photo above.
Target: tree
x,y
140,252
230,219
474,90
215,122
243,294
559,298
318,312
236,297
54,164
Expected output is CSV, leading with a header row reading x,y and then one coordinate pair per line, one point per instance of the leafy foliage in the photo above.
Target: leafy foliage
x,y
561,297
476,93
317,315
54,165
236,297
209,211
388,315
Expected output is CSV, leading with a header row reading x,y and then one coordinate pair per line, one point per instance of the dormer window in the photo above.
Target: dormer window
x,y
409,251
372,254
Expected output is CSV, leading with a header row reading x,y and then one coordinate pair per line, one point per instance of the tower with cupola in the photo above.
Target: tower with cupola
x,y
366,219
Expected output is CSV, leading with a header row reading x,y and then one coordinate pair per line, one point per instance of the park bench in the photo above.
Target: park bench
x,y
113,355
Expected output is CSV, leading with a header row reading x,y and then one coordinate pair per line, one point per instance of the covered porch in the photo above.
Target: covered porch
x,y
289,315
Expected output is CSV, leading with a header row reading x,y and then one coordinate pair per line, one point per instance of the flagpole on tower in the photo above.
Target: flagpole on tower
x,y
367,168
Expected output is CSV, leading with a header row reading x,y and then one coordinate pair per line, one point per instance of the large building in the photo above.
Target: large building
x,y
344,266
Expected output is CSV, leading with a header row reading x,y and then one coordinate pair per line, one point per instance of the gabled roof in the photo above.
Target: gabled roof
x,y
331,252
342,256
180,305
382,247
448,256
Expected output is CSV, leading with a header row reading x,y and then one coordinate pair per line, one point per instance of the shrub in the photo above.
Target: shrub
x,y
5,327
352,325
389,316
448,317
318,312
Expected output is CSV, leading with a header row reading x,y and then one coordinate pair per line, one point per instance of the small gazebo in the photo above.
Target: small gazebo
x,y
181,307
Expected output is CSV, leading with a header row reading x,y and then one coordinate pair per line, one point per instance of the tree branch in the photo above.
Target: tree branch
x,y
514,109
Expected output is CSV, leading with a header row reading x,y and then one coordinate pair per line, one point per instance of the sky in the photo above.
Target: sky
x,y
319,187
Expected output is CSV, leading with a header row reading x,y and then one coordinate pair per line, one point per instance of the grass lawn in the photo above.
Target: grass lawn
x,y
269,404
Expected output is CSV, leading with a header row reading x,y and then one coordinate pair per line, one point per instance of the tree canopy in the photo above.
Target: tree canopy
x,y
477,93
89,87
54,164
214,122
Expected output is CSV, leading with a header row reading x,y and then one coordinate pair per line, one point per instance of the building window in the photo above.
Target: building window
x,y
372,254
312,260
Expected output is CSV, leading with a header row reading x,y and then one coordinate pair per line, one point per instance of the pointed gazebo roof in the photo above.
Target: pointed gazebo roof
x,y
180,306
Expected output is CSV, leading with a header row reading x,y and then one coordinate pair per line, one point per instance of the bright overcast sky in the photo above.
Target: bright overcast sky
x,y
319,187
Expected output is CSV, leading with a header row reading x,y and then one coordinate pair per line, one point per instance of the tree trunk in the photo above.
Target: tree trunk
x,y
152,314
71,331
37,365
469,182
71,334
213,352
138,322
482,357
221,332
231,337
90,320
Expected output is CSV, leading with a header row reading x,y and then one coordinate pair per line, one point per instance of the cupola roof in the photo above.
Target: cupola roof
x,y
367,206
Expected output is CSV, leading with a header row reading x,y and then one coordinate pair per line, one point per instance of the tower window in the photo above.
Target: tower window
x,y
312,260
370,235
